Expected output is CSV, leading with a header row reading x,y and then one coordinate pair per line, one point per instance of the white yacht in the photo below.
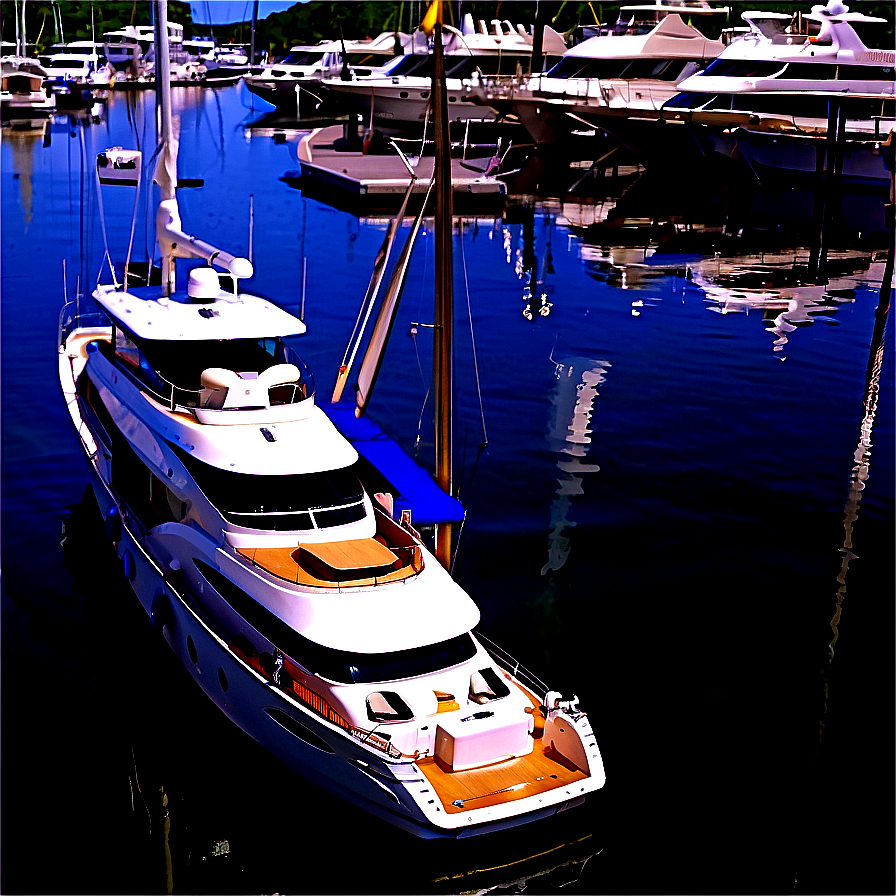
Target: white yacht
x,y
398,99
314,619
634,65
293,83
769,98
23,92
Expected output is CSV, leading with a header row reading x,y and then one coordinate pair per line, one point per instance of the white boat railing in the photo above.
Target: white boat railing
x,y
513,666
72,318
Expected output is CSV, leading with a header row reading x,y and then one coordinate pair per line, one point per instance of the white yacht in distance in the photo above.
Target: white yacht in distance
x,y
398,99
293,83
316,621
769,97
635,64
22,88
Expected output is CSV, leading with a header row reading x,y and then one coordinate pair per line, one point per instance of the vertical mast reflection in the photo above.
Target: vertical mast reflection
x,y
858,477
569,434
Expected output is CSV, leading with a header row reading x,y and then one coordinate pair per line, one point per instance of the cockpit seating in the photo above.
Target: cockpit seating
x,y
387,706
223,389
486,685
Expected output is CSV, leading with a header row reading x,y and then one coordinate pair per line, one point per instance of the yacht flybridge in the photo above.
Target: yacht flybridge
x,y
318,623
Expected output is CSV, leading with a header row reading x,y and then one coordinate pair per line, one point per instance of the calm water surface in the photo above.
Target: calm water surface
x,y
671,487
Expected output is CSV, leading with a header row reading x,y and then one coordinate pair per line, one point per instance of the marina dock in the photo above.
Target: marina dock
x,y
375,183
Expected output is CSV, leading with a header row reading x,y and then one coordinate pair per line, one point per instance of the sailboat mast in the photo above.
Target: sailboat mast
x,y
163,74
443,332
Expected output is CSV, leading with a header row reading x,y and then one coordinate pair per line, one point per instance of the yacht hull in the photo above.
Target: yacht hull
x,y
308,746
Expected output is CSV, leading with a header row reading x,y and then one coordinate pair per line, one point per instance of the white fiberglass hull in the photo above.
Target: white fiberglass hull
x,y
160,564
388,105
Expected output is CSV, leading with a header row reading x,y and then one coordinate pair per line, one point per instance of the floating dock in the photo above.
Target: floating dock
x,y
376,183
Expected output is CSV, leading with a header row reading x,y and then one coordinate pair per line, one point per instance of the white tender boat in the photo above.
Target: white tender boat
x,y
773,96
313,619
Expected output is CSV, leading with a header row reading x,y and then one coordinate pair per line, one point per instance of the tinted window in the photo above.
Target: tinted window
x,y
743,68
284,502
338,665
809,71
866,72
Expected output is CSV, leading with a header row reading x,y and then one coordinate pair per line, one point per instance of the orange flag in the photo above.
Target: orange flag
x,y
432,16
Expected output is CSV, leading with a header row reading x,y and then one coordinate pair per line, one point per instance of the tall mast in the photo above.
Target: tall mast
x,y
443,332
163,74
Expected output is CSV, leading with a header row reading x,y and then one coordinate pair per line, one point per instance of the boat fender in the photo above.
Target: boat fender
x,y
160,610
127,564
113,524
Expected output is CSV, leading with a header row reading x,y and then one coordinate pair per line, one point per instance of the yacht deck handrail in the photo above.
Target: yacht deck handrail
x,y
513,666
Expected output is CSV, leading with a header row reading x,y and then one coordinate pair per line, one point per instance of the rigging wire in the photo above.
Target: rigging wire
x,y
423,380
483,445
472,335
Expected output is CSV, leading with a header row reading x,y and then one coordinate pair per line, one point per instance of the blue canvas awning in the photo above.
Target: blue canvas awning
x,y
413,485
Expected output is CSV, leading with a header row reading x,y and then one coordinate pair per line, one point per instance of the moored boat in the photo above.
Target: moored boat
x,y
772,98
315,620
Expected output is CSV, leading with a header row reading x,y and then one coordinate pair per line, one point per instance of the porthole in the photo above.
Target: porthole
x,y
222,678
452,99
403,94
191,649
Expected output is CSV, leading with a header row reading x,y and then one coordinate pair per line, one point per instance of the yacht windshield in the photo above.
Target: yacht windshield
x,y
284,503
581,67
165,366
301,57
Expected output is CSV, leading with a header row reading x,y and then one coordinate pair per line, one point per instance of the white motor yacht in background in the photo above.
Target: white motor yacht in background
x,y
23,92
398,99
74,77
635,64
292,83
768,99
316,621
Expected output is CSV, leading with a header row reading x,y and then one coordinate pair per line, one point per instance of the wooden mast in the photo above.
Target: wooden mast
x,y
443,332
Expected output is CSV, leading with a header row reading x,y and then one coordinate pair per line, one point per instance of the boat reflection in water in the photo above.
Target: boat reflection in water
x,y
22,135
775,286
569,434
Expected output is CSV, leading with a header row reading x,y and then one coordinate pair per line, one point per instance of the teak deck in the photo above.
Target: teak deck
x,y
537,772
285,564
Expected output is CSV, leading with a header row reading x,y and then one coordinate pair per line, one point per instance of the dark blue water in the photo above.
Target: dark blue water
x,y
666,512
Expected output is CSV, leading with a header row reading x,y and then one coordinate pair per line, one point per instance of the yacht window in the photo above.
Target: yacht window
x,y
162,364
808,71
866,72
375,60
488,65
342,666
129,354
743,68
661,69
692,101
281,503
413,65
810,106
300,57
599,68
